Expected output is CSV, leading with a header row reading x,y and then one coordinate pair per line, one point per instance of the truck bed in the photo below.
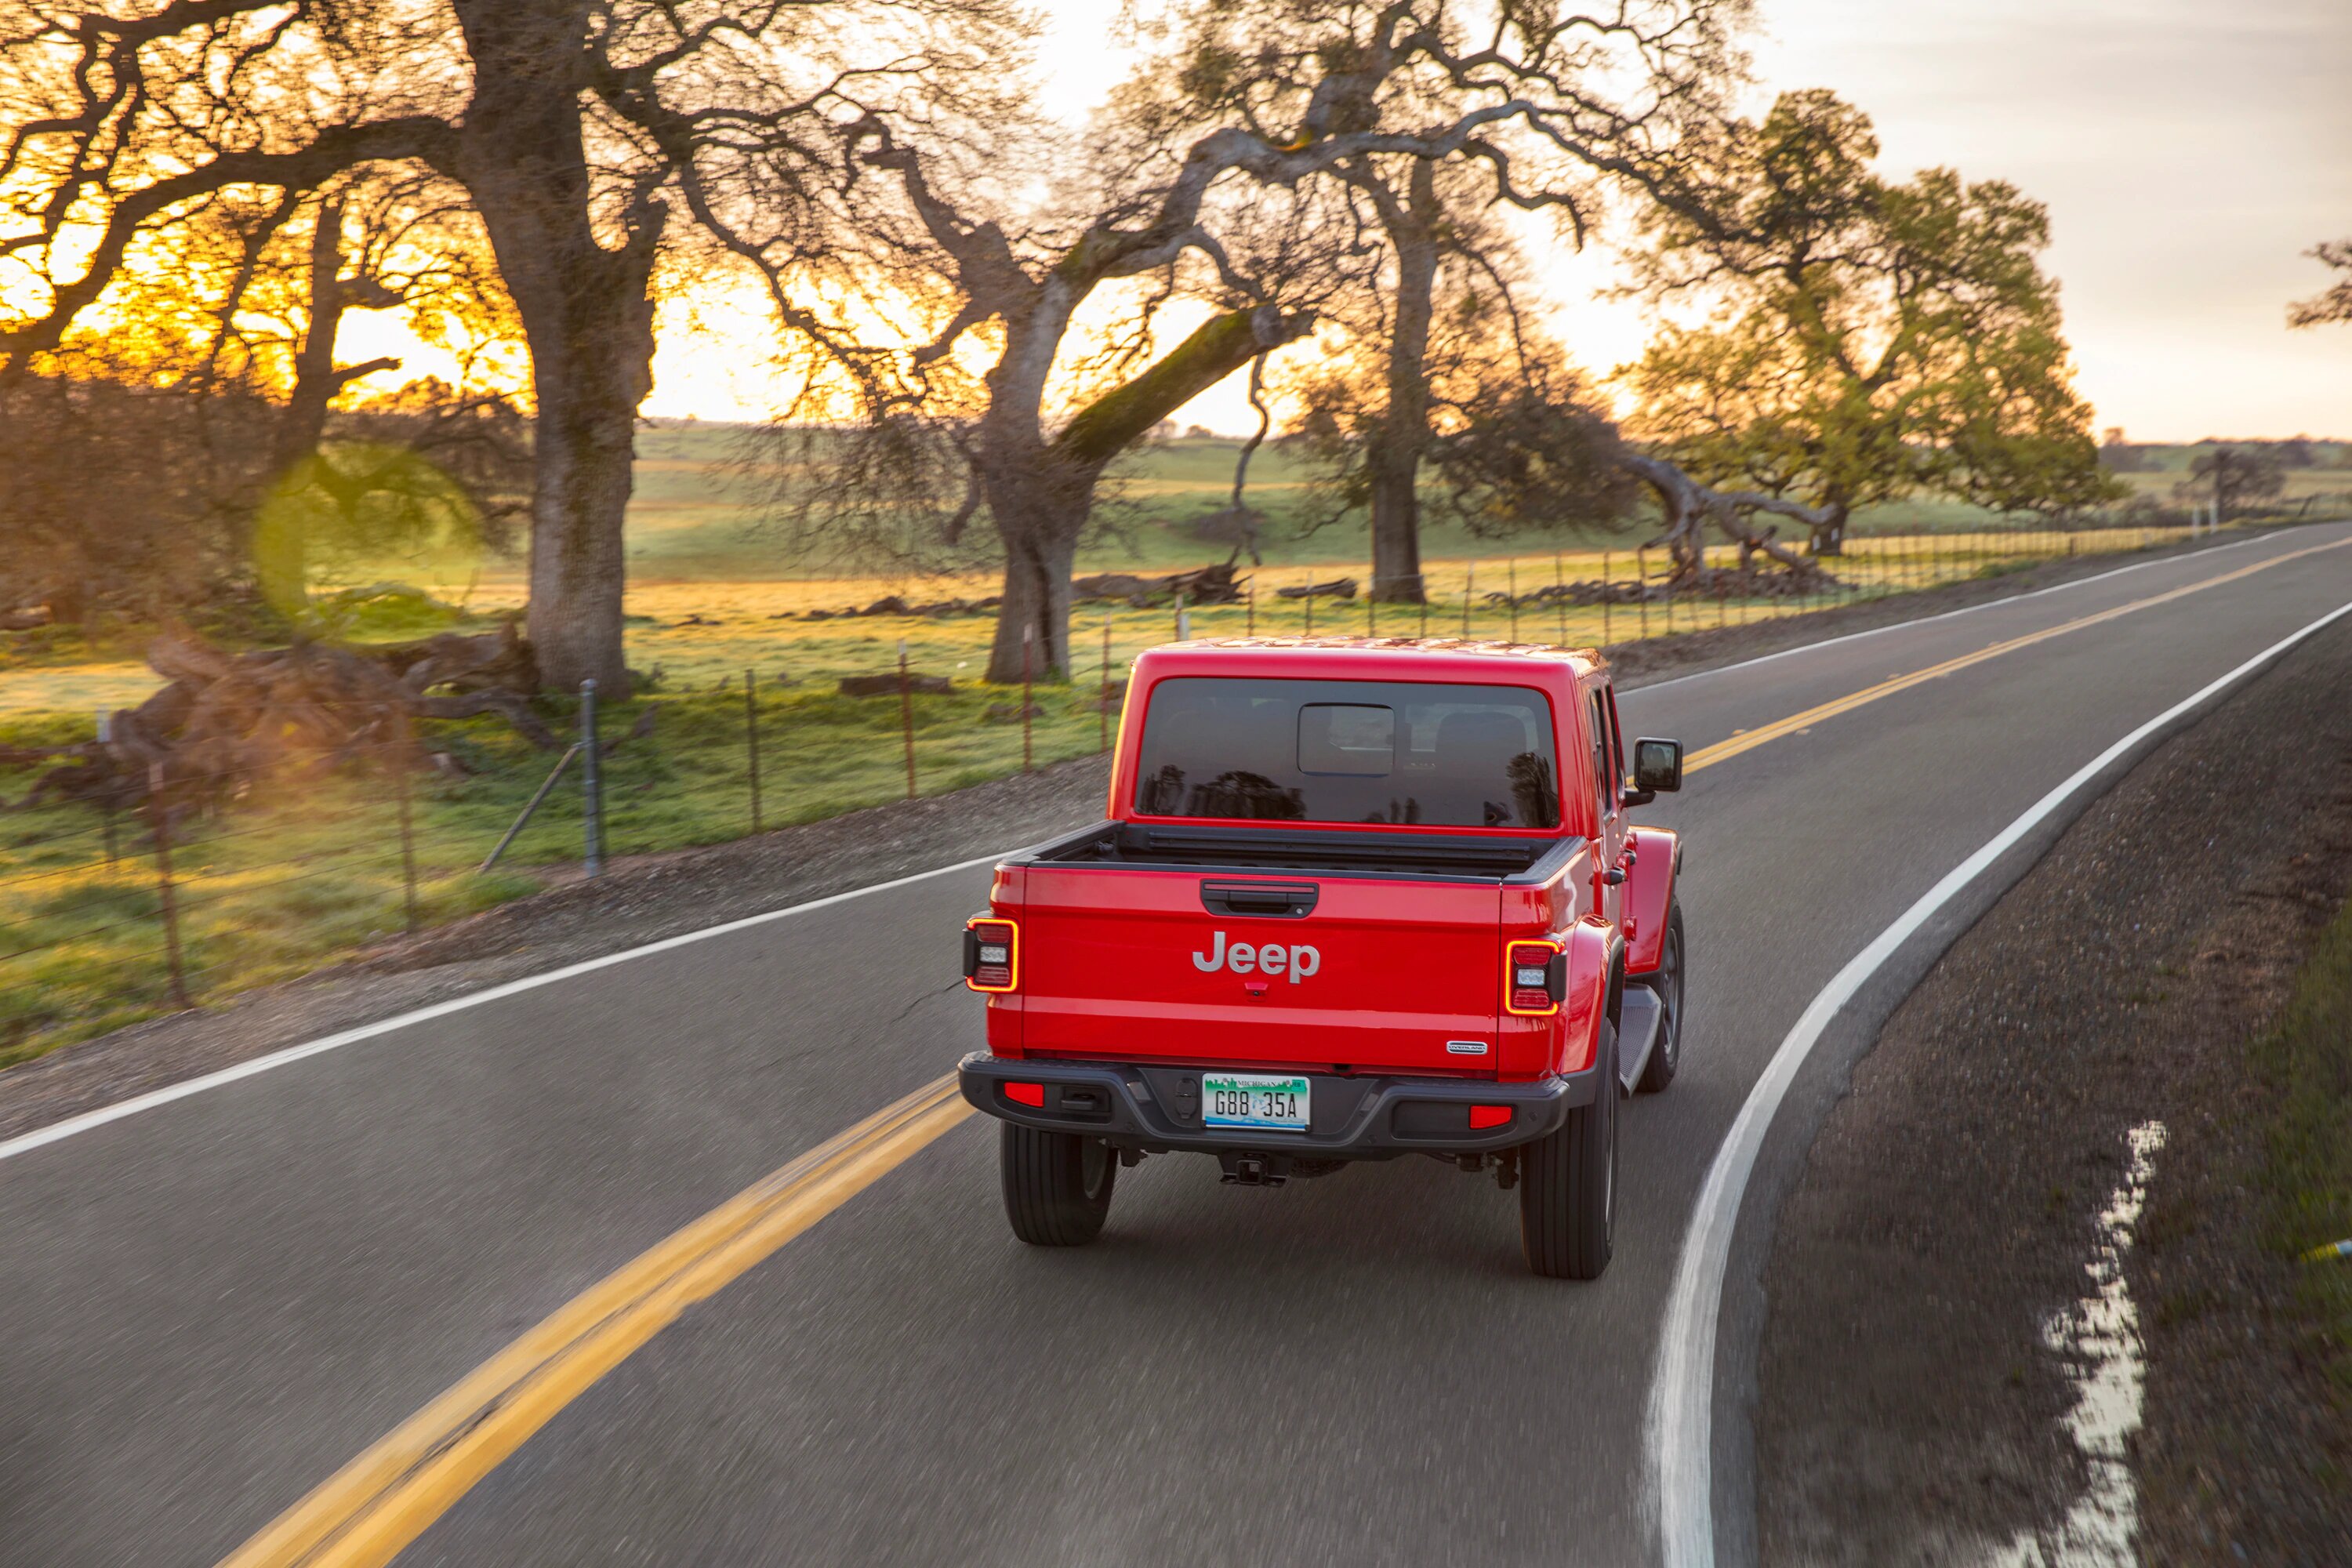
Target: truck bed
x,y
1388,853
1329,950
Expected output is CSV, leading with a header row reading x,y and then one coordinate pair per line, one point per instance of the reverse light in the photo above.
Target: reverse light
x,y
1534,978
1486,1116
992,954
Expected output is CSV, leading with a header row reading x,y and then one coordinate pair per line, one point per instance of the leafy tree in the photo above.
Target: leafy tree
x,y
1432,367
1499,434
2118,455
118,494
1211,178
1867,340
2333,304
565,125
2237,480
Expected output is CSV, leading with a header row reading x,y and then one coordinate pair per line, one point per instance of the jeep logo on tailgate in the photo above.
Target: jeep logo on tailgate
x,y
1265,958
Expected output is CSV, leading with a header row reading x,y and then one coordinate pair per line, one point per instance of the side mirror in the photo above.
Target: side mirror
x,y
1657,770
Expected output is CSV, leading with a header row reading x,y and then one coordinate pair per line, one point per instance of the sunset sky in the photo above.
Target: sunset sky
x,y
2188,154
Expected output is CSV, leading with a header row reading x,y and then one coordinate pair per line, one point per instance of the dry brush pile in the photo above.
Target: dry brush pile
x,y
224,722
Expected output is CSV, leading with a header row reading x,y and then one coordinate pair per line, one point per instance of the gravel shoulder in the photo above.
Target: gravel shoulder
x,y
654,897
1910,1409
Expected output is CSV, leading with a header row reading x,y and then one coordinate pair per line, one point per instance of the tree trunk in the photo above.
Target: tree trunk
x,y
585,311
1829,534
1038,558
279,552
1040,492
1394,459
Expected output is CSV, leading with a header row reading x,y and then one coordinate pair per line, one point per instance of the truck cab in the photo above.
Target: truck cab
x,y
1352,898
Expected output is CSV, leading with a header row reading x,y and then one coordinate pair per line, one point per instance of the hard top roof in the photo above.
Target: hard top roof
x,y
1467,659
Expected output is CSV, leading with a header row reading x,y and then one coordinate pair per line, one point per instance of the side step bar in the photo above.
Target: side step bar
x,y
1639,1014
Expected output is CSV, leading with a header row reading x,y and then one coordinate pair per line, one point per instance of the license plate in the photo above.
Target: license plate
x,y
1251,1099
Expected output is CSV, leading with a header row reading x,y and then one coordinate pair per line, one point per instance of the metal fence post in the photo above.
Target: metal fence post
x,y
752,738
1028,642
1511,592
591,783
906,716
165,899
1102,698
1607,593
1642,587
1469,586
106,806
408,829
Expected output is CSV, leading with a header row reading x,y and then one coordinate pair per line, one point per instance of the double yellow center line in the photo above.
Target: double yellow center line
x,y
1749,740
374,1506
371,1507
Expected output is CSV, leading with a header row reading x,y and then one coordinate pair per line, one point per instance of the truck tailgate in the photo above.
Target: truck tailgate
x,y
1398,974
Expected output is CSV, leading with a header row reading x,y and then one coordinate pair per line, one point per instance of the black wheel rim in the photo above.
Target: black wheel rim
x,y
1094,1167
1609,1182
1670,997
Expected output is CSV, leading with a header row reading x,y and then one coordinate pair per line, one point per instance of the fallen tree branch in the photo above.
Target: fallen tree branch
x,y
1689,506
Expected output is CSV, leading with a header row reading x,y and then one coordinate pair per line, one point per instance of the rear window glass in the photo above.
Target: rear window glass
x,y
1349,751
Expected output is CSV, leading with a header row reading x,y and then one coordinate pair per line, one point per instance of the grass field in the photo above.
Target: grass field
x,y
688,521
297,872
2308,1170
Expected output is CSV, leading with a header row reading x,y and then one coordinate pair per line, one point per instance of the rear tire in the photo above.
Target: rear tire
x,y
1568,1183
1056,1185
1666,980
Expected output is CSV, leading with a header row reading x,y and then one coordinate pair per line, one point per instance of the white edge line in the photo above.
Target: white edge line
x,y
1946,615
1679,1474
58,1131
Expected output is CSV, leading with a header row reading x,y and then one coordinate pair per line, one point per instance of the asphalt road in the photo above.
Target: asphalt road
x,y
209,1308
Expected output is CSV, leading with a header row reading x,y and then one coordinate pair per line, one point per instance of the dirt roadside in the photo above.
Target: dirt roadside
x,y
1910,1409
647,898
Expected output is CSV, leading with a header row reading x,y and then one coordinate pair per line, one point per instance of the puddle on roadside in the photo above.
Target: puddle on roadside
x,y
2106,1363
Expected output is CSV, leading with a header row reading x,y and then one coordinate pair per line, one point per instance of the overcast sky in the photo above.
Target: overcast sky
x,y
2188,154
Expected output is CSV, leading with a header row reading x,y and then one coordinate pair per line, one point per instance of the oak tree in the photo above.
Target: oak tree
x,y
560,122
2333,304
1862,339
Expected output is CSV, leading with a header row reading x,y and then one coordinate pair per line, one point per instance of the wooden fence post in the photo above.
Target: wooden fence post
x,y
906,716
166,898
751,739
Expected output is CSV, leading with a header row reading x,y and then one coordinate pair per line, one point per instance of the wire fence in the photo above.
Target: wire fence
x,y
110,913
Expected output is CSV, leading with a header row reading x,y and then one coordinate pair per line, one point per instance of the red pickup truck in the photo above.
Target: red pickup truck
x,y
1356,898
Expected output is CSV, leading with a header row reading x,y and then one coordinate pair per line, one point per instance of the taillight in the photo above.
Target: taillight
x,y
1534,978
992,954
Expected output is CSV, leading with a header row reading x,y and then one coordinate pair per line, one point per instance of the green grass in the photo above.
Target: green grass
x,y
688,520
302,871
307,869
2307,1169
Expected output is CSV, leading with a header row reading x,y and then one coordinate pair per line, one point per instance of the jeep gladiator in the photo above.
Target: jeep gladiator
x,y
1354,899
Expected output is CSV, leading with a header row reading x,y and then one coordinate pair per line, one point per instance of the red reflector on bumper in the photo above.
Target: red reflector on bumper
x,y
1482,1116
1026,1094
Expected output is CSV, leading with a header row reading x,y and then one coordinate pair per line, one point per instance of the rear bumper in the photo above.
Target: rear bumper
x,y
1357,1116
